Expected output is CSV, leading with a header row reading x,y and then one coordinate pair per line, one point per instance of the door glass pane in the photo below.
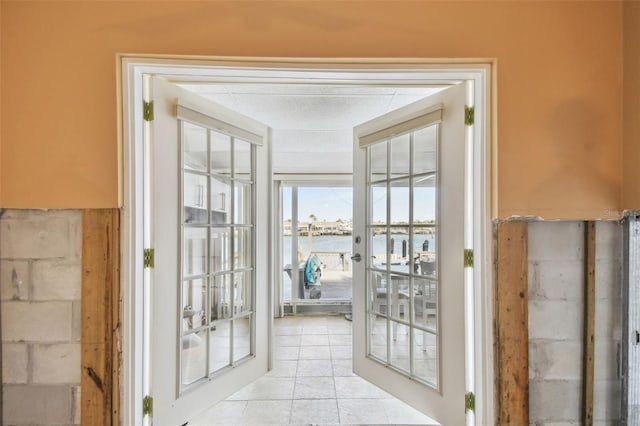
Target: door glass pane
x,y
378,336
377,292
195,198
400,156
242,159
194,357
425,353
241,338
424,150
379,203
194,296
378,162
219,346
220,154
242,292
220,200
425,303
220,248
400,346
221,297
400,202
424,200
399,297
194,251
194,147
242,248
378,244
242,203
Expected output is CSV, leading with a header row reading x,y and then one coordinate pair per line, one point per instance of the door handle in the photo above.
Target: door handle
x,y
356,257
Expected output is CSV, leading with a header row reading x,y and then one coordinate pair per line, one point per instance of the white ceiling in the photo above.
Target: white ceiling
x,y
312,125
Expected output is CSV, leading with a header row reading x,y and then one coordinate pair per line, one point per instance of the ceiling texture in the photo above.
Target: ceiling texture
x,y
312,125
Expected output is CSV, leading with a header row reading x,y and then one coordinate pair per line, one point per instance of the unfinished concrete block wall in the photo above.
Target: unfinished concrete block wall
x,y
556,321
40,273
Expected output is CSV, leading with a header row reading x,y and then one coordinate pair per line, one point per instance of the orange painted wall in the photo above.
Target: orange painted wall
x,y
559,83
631,147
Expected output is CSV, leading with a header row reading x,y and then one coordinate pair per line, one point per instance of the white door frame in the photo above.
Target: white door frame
x,y
414,71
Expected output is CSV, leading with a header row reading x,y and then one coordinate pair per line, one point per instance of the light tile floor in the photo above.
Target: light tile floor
x,y
311,384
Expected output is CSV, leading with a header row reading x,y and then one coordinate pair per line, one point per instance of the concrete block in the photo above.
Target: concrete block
x,y
36,322
556,240
35,237
555,401
75,234
56,280
608,279
15,361
606,359
609,240
76,322
14,280
606,400
56,363
556,320
562,279
37,405
608,319
77,404
556,360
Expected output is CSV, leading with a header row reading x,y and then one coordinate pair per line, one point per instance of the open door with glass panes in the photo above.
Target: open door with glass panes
x,y
408,295
206,218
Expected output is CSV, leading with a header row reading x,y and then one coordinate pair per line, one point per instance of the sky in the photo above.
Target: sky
x,y
336,203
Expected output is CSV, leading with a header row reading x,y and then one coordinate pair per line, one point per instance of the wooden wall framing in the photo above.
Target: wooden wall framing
x,y
512,324
100,315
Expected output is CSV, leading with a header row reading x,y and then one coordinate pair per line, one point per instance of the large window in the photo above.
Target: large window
x,y
217,266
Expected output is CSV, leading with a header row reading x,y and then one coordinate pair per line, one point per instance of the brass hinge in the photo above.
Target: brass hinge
x,y
148,258
147,406
468,258
147,110
469,115
469,402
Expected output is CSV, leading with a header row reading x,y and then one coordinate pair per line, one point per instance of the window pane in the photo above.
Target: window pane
x,y
194,198
242,197
425,353
194,295
377,292
400,202
220,201
425,303
219,346
399,297
194,357
221,297
400,254
241,338
220,154
242,302
242,248
194,147
378,162
400,156
425,159
378,244
424,200
242,159
220,249
194,251
379,203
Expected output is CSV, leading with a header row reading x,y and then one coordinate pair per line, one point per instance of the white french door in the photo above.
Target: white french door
x,y
408,285
207,213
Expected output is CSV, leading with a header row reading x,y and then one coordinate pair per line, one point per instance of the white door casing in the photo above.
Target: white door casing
x,y
445,401
171,404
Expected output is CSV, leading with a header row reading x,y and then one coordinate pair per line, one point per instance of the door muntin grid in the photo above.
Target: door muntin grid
x,y
217,242
403,298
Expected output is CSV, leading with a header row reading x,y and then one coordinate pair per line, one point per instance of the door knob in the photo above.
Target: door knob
x,y
356,257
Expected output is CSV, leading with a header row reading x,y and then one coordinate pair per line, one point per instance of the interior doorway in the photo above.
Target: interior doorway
x,y
313,158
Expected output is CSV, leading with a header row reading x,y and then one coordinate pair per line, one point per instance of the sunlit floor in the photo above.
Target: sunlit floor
x,y
311,383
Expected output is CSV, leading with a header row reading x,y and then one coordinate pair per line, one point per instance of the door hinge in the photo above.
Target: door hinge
x,y
468,258
147,406
148,258
469,402
469,115
147,110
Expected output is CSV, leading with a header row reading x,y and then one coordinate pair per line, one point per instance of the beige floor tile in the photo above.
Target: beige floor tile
x,y
315,368
315,352
267,413
266,388
342,368
314,388
341,352
357,387
286,353
315,411
314,340
223,413
361,411
284,368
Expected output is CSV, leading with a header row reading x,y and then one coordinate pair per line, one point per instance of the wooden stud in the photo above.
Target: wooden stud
x,y
512,324
589,322
100,317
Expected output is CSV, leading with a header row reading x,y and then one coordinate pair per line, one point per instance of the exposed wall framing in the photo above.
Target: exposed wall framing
x,y
100,317
589,322
512,324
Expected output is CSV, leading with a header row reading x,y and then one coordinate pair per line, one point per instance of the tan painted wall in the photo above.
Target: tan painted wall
x,y
559,84
631,147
